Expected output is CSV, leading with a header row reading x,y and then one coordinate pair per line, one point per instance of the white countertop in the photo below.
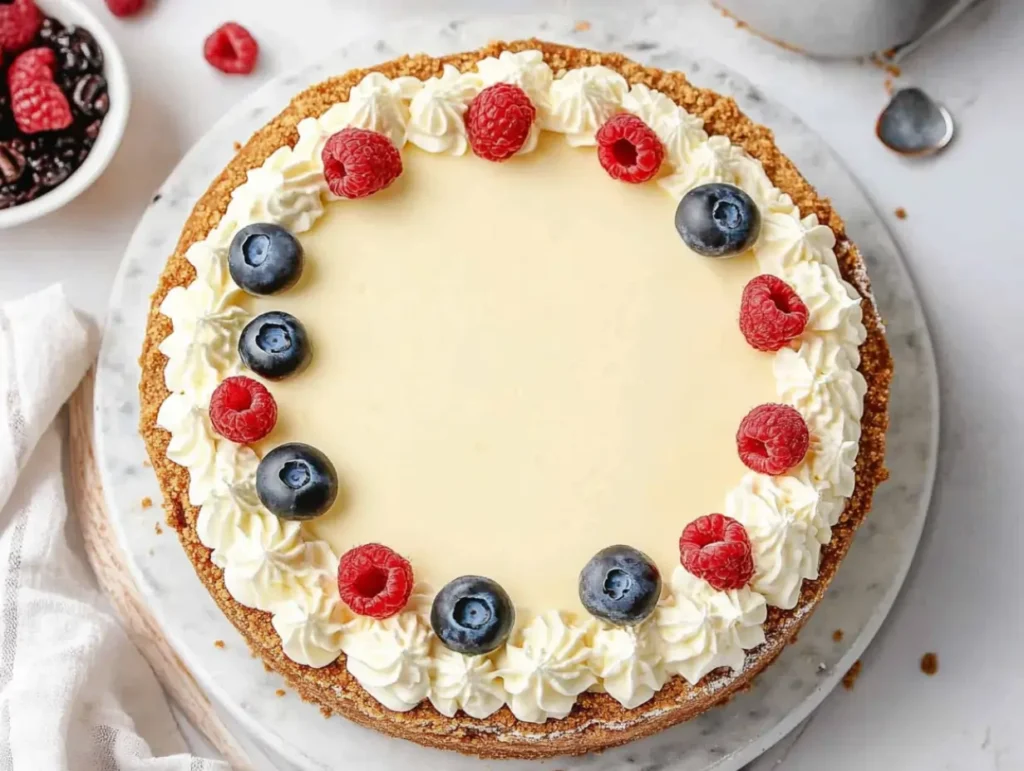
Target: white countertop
x,y
963,599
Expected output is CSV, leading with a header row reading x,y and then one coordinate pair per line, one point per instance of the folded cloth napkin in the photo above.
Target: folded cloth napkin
x,y
75,694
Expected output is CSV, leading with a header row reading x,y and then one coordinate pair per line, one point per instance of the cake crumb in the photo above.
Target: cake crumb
x,y
279,692
930,663
901,213
851,677
157,529
237,145
145,461
147,502
837,636
582,26
218,644
267,667
888,86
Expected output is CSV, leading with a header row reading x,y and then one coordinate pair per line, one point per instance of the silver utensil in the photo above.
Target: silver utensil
x,y
913,124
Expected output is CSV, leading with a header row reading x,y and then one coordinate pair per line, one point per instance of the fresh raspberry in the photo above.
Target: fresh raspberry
x,y
771,313
498,121
772,439
124,8
242,410
19,22
34,65
40,106
716,548
232,49
628,148
374,581
358,163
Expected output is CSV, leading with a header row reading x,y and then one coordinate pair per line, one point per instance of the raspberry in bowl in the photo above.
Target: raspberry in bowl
x,y
64,101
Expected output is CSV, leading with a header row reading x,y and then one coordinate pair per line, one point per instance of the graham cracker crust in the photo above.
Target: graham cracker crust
x,y
597,722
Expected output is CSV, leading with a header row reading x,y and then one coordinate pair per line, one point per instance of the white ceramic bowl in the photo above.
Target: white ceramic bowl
x,y
72,12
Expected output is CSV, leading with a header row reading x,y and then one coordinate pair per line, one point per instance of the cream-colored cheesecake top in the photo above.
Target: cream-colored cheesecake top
x,y
515,366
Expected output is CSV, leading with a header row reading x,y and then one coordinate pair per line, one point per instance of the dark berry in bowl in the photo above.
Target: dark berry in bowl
x,y
90,96
296,481
621,585
77,51
718,220
472,615
13,164
274,345
265,259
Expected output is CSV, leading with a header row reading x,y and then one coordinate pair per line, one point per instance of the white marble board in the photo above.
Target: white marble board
x,y
723,739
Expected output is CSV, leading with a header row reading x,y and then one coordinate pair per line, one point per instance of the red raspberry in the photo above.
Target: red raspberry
x,y
31,66
40,106
498,121
242,410
771,313
629,149
374,581
19,22
232,49
358,163
125,8
716,548
772,439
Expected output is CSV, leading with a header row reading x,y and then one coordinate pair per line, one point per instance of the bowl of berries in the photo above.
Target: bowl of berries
x,y
64,99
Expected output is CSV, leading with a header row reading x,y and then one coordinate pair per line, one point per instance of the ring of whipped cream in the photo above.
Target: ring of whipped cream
x,y
279,567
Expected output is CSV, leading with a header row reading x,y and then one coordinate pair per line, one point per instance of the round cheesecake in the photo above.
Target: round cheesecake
x,y
516,369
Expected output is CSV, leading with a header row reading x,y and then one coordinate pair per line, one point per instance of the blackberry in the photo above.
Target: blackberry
x,y
77,52
90,96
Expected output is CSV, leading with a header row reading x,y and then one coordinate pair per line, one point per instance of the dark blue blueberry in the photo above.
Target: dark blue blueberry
x,y
265,259
472,615
718,220
274,345
621,585
296,481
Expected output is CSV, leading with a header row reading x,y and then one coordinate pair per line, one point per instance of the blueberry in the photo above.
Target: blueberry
x,y
621,585
265,259
274,345
718,220
296,481
472,615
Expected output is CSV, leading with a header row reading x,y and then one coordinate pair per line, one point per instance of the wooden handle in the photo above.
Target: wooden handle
x,y
107,561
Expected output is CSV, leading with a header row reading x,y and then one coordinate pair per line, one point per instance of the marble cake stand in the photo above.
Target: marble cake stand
x,y
722,739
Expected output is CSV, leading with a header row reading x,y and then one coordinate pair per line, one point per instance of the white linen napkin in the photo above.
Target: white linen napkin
x,y
75,694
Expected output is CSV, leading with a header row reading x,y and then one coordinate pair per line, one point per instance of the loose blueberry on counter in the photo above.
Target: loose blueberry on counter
x,y
718,220
472,615
621,585
274,345
265,259
296,481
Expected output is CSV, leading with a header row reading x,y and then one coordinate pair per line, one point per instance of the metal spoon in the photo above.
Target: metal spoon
x,y
912,124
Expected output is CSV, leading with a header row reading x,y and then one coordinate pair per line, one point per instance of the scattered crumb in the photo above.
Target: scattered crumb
x,y
279,692
237,145
582,26
218,644
837,636
157,529
267,667
147,502
901,213
893,70
851,677
888,86
145,461
930,663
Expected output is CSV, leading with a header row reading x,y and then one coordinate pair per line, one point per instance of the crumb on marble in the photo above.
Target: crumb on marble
x,y
280,692
236,145
837,636
930,663
582,26
146,503
145,461
850,678
901,213
219,644
887,83
158,529
267,667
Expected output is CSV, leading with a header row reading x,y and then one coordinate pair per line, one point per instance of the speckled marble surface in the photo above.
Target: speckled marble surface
x,y
722,739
